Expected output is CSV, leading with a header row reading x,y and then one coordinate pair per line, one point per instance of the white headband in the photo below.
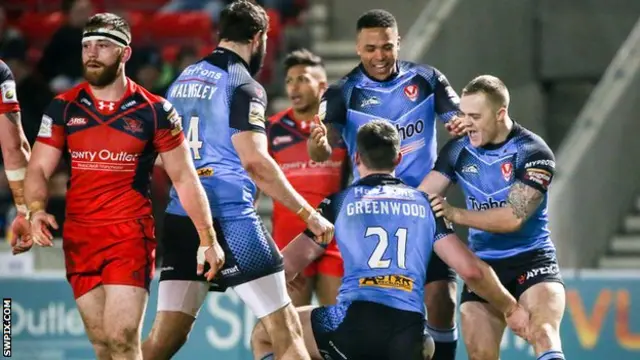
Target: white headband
x,y
117,37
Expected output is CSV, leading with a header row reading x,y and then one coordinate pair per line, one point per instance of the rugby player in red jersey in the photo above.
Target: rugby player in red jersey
x,y
15,154
110,130
288,132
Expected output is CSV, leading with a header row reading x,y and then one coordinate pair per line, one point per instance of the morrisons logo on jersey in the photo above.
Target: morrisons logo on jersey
x,y
410,130
491,203
388,282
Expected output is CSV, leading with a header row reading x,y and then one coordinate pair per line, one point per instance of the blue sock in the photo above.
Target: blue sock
x,y
552,355
268,357
446,343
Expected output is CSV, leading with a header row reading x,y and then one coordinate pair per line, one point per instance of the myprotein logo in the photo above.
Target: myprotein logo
x,y
544,163
491,203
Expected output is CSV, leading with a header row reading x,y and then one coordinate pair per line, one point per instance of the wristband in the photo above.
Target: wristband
x,y
22,209
304,213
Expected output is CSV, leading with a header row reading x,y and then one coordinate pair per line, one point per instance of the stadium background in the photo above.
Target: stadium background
x,y
571,66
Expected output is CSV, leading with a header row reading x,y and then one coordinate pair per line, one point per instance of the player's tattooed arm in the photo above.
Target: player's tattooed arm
x,y
14,117
523,200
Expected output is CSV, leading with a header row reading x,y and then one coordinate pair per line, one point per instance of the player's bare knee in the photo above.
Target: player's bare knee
x,y
124,341
544,336
480,353
259,336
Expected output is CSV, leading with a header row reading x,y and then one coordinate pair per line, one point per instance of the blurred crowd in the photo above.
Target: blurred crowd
x,y
40,40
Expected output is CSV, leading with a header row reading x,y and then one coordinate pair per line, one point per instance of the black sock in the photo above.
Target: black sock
x,y
446,343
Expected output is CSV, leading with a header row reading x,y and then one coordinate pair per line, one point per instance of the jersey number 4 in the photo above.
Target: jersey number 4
x,y
376,261
193,136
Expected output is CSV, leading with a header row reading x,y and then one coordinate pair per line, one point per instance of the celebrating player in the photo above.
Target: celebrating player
x,y
287,134
15,153
111,131
386,233
410,96
223,112
505,171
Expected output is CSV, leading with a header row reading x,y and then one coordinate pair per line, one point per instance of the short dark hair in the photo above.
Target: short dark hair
x,y
378,144
495,90
241,20
302,57
376,18
108,20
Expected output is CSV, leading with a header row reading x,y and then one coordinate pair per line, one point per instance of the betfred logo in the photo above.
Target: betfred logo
x,y
77,121
411,91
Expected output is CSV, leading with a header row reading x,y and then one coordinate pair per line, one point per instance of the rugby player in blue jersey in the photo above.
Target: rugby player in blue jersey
x,y
222,109
410,96
505,171
386,233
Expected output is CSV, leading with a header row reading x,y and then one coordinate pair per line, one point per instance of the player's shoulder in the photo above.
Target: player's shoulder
x,y
455,145
147,95
278,117
5,72
424,70
530,142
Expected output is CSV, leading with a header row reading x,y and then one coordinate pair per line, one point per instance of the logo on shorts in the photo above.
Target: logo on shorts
x,y
230,271
544,270
388,282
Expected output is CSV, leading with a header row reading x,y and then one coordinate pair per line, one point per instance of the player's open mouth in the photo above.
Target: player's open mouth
x,y
380,68
471,133
295,99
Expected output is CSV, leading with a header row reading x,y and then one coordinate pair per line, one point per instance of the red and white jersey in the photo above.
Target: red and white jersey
x,y
111,148
287,138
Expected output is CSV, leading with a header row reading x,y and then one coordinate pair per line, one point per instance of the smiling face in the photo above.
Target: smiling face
x,y
481,117
378,50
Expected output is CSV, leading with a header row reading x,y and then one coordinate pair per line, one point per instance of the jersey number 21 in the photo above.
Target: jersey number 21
x,y
376,261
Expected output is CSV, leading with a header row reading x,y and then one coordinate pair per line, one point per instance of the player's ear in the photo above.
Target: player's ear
x,y
257,38
126,53
356,160
398,159
398,42
502,112
323,85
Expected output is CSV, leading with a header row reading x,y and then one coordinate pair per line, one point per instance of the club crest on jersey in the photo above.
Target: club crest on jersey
x,y
133,125
411,91
507,171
